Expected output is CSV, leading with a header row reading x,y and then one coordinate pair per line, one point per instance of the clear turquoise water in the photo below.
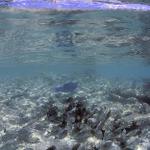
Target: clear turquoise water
x,y
107,53
107,43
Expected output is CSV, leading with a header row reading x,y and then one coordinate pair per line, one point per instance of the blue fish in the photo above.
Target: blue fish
x,y
67,87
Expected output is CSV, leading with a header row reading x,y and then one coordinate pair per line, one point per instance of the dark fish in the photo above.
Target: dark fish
x,y
67,87
146,85
144,99
132,127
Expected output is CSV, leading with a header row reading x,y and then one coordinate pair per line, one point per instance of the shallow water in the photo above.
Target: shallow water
x,y
107,53
104,42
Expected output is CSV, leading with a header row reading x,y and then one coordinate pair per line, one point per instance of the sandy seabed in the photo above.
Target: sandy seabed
x,y
98,114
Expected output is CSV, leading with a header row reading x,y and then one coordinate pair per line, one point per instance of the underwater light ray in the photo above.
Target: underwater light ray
x,y
28,4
